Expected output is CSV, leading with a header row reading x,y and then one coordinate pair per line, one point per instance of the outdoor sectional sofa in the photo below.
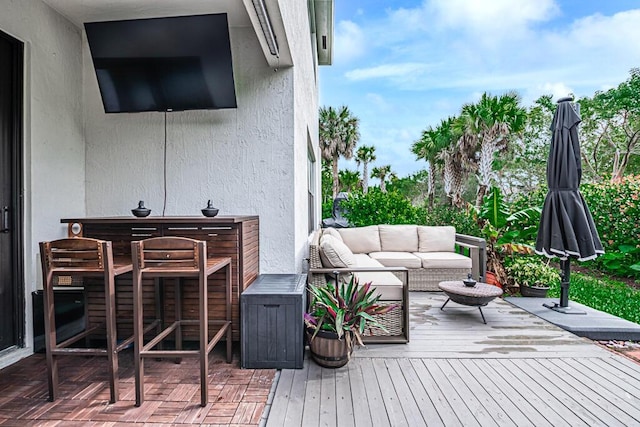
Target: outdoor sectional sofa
x,y
395,259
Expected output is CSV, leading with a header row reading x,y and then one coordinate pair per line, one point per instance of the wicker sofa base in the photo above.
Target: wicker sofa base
x,y
422,279
392,321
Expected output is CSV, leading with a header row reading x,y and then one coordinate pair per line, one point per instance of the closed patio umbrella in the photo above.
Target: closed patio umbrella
x,y
566,227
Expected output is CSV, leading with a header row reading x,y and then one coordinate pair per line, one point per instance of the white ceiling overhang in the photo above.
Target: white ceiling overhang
x,y
239,13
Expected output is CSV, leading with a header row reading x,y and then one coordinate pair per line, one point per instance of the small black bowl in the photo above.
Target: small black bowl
x,y
469,283
141,212
210,212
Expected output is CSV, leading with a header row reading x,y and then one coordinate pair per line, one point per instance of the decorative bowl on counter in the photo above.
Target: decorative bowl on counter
x,y
141,211
210,211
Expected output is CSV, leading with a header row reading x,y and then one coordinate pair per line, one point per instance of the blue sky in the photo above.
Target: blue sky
x,y
403,65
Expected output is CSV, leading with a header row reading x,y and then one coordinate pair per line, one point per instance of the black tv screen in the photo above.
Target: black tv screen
x,y
163,64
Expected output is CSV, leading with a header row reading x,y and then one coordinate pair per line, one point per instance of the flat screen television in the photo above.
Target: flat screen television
x,y
163,64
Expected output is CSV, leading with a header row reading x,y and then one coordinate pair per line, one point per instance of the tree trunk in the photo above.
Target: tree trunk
x,y
482,190
365,177
336,177
431,184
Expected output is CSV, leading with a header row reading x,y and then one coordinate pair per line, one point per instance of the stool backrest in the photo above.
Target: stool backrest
x,y
169,253
75,254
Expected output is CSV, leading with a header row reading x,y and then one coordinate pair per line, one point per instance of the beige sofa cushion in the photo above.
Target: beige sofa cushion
x,y
443,260
398,238
436,239
387,285
332,232
361,240
335,253
397,259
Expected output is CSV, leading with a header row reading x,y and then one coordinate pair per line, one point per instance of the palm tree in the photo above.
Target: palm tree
x,y
488,126
338,135
349,180
365,155
432,147
381,173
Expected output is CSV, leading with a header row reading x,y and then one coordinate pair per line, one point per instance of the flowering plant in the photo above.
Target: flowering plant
x,y
347,309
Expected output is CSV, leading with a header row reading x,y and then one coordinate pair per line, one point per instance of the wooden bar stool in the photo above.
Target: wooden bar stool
x,y
78,258
178,257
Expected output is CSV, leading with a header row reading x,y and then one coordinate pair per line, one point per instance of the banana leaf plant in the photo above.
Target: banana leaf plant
x,y
347,310
506,232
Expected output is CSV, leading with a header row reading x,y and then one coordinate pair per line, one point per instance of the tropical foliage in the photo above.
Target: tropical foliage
x,y
611,129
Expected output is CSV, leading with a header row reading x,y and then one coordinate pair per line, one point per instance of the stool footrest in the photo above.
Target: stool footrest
x,y
217,336
79,352
79,336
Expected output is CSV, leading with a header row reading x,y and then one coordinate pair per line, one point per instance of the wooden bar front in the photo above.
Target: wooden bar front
x,y
233,236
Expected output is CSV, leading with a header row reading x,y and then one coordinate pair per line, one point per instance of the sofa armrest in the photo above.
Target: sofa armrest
x,y
338,271
477,248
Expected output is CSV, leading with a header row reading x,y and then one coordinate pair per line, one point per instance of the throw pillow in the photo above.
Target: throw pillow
x,y
335,253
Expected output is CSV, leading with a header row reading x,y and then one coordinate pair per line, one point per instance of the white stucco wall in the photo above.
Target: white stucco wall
x,y
244,159
296,20
53,131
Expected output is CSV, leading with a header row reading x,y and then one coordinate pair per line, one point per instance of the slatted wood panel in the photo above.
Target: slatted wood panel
x,y
237,238
515,371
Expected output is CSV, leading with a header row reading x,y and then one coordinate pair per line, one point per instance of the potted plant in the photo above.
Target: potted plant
x,y
338,318
533,276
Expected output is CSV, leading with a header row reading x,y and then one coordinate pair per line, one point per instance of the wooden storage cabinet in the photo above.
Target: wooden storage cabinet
x,y
272,324
233,236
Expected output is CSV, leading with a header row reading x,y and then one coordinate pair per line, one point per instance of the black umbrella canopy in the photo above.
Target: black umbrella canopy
x,y
566,226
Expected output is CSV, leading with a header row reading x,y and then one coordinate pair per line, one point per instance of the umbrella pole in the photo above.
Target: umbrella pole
x,y
566,280
563,307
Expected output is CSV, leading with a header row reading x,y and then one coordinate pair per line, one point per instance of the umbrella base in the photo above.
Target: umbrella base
x,y
564,310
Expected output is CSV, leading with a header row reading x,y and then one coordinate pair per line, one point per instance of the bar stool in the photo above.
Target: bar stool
x,y
73,258
178,257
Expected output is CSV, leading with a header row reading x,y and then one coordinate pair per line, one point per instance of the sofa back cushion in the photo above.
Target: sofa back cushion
x,y
333,232
361,240
436,239
334,253
398,238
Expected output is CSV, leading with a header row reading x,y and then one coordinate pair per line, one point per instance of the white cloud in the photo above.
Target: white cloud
x,y
387,71
379,101
349,42
502,16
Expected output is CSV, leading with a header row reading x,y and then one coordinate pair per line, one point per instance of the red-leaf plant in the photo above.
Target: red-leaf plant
x,y
349,308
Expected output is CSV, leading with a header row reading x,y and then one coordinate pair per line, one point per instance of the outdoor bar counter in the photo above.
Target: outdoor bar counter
x,y
229,236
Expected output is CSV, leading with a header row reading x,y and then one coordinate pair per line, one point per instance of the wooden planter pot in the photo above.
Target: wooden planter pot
x,y
327,350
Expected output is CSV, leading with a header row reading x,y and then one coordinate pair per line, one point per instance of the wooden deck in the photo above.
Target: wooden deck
x,y
236,396
516,370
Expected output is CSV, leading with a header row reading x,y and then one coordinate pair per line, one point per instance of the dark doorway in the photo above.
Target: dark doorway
x,y
11,273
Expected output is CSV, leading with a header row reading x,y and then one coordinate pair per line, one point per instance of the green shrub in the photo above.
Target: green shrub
x,y
462,219
377,207
615,208
327,209
531,271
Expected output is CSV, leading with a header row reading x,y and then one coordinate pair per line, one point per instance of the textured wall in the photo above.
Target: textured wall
x,y
53,139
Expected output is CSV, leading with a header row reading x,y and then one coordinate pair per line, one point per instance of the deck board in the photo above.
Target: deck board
x,y
515,370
